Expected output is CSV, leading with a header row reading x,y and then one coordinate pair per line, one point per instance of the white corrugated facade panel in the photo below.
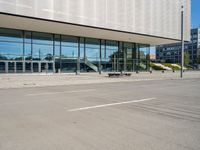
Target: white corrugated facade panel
x,y
150,17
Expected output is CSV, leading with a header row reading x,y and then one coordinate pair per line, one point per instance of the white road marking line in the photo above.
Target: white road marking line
x,y
111,104
52,93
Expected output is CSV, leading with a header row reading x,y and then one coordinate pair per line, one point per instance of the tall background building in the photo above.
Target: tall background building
x,y
86,35
172,52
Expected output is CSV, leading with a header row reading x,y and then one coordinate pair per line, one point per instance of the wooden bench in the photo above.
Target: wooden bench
x,y
118,74
114,74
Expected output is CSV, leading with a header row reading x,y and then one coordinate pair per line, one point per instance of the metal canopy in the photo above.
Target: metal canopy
x,y
50,26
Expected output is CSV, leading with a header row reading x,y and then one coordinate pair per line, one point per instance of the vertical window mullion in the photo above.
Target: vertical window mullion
x,y
60,52
100,60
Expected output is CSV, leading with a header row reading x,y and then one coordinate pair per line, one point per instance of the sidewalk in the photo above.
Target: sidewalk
x,y
40,80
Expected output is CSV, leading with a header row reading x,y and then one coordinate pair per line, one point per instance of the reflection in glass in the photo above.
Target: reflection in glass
x,y
2,67
92,54
28,66
95,54
42,46
11,48
11,35
144,51
69,53
11,67
128,53
19,67
111,56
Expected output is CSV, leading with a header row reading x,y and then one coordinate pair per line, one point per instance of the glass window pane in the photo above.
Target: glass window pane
x,y
92,49
2,66
81,47
11,48
69,51
69,47
11,35
42,52
42,38
111,49
144,51
57,51
57,40
27,37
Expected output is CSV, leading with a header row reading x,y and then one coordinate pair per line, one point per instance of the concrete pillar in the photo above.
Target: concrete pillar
x,y
124,55
47,67
100,60
78,58
54,68
15,67
31,67
39,67
119,49
23,67
6,67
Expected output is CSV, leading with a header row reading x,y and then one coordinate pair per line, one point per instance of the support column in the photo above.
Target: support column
x,y
137,57
54,69
60,69
47,67
23,67
100,60
31,66
15,67
84,51
133,56
78,58
182,40
31,52
105,53
125,56
117,58
6,67
39,67
115,64
23,63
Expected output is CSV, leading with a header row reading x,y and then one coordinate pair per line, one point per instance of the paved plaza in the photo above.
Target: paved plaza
x,y
42,80
119,115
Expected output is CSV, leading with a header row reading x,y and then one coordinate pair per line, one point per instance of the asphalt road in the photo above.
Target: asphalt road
x,y
145,115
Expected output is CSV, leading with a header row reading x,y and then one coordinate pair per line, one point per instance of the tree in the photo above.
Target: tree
x,y
186,58
2,57
49,57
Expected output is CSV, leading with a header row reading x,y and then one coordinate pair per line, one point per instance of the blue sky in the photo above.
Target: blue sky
x,y
195,13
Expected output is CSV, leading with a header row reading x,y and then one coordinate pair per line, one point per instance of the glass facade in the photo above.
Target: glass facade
x,y
27,51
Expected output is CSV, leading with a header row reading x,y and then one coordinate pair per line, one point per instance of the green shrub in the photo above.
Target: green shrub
x,y
171,66
154,67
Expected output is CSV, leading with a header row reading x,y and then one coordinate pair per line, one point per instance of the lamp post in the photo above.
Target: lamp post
x,y
182,40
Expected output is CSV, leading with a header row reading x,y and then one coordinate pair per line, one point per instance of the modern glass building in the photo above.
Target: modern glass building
x,y
172,52
86,35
